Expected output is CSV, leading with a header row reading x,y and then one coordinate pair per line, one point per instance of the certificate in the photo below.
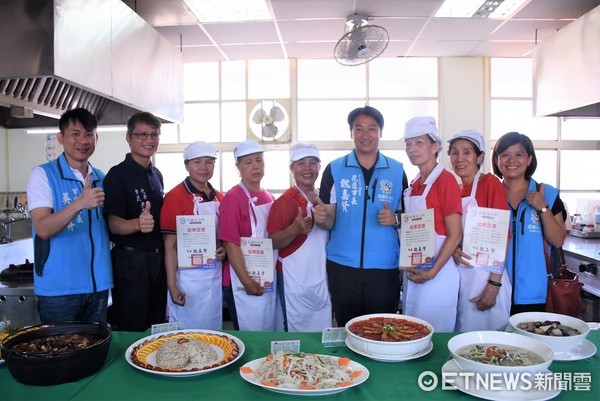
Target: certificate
x,y
417,239
258,257
485,236
196,242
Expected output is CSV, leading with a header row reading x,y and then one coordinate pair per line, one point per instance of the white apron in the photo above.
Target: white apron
x,y
434,301
307,303
257,313
203,288
472,283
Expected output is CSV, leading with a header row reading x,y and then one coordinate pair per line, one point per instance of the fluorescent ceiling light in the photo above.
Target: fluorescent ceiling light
x,y
46,131
479,8
229,10
37,131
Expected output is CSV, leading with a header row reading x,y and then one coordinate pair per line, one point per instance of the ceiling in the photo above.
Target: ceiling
x,y
311,28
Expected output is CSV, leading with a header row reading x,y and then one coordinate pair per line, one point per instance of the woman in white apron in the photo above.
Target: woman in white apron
x,y
302,246
484,296
307,301
195,300
256,309
432,294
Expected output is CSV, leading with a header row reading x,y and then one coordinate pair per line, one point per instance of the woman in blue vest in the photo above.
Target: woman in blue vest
x,y
537,213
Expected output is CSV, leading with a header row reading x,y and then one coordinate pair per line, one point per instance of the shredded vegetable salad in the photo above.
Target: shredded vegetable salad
x,y
304,371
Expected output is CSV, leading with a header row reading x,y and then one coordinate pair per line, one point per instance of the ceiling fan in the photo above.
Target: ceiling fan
x,y
361,43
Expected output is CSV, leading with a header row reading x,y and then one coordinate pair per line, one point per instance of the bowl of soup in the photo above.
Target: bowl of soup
x,y
388,334
499,352
561,332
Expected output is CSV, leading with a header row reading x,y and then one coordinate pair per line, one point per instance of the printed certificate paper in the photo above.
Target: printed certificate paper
x,y
485,236
258,256
196,242
417,239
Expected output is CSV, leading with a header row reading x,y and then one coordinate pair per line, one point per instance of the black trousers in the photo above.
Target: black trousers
x,y
356,292
140,292
519,308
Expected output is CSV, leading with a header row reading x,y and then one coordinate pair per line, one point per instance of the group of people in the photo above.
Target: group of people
x,y
336,247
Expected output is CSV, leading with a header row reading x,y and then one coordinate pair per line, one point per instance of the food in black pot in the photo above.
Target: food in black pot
x,y
56,353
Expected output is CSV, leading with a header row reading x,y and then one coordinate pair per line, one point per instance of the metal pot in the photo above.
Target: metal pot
x,y
62,368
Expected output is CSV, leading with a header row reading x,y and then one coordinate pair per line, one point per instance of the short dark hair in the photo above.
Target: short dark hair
x,y
367,111
142,117
506,141
81,115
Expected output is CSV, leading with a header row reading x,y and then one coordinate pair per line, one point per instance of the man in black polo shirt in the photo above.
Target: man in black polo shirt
x,y
134,196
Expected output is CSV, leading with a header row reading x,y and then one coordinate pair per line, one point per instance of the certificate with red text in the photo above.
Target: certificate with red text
x,y
417,239
258,257
485,236
196,241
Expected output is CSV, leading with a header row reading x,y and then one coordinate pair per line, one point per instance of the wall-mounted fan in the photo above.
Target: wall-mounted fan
x,y
361,43
269,120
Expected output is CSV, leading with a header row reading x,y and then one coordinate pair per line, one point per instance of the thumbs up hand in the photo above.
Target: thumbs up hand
x,y
319,211
302,225
537,199
91,197
386,215
146,220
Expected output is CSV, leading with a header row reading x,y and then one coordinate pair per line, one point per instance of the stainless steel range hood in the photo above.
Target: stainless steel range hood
x,y
97,54
567,70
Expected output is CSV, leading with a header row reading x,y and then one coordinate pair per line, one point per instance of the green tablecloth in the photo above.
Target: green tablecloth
x,y
388,381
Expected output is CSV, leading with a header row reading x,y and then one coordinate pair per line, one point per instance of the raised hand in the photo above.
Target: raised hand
x,y
146,220
386,215
302,225
91,197
319,211
537,199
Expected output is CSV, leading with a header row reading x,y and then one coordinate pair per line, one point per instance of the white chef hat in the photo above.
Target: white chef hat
x,y
418,126
470,135
199,149
247,148
300,150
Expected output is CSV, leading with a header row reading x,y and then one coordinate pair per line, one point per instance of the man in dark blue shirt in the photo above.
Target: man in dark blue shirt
x,y
134,197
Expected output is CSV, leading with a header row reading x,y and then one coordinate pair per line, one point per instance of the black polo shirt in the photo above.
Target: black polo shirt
x,y
128,186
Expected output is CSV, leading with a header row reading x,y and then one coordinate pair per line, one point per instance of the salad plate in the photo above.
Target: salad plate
x,y
451,370
142,353
248,369
584,350
384,358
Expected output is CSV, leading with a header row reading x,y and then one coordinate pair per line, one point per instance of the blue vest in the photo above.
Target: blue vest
x,y
525,261
77,259
357,239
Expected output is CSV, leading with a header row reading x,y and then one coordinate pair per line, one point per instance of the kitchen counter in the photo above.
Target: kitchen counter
x,y
581,256
587,249
117,380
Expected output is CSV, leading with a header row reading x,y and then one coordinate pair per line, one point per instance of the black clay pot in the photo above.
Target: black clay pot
x,y
62,368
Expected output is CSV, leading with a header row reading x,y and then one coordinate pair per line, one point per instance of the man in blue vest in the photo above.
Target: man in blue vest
x,y
360,201
72,253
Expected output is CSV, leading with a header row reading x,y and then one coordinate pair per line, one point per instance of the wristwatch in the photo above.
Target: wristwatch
x,y
397,223
544,209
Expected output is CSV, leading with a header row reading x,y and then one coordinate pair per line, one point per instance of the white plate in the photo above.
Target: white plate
x,y
496,395
383,358
584,350
151,358
249,377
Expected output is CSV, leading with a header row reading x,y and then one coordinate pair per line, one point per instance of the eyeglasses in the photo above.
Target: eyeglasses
x,y
144,135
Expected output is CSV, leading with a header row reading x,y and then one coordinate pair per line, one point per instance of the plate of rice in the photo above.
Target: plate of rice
x,y
183,353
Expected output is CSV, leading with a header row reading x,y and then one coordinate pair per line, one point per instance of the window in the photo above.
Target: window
x,y
563,145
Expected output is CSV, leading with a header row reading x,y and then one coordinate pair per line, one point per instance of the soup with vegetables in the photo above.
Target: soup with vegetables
x,y
500,355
